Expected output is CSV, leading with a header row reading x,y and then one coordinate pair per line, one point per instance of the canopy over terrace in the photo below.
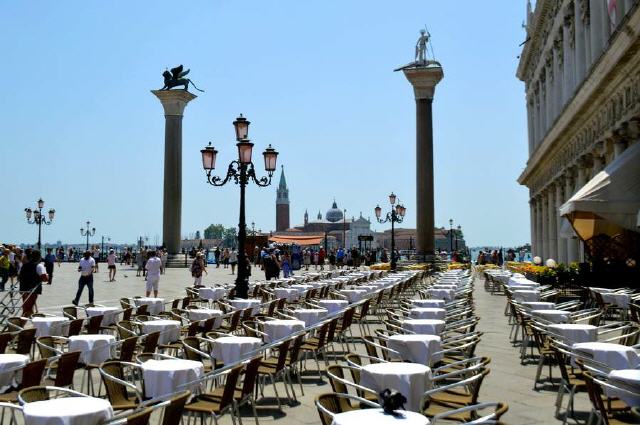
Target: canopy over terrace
x,y
297,239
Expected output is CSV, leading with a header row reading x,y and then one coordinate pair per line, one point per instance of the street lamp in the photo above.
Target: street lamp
x,y
38,218
242,171
87,233
450,235
396,215
457,235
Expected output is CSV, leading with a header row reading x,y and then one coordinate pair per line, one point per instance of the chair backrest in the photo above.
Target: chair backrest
x,y
272,308
125,329
230,386
234,321
193,342
151,342
330,402
67,365
294,349
283,349
33,394
25,341
32,373
186,301
176,302
140,418
125,303
5,339
246,313
45,347
127,349
70,311
281,303
142,310
173,411
75,327
336,385
208,325
116,392
126,313
331,331
250,376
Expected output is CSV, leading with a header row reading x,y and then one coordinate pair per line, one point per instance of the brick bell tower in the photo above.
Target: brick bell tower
x,y
282,205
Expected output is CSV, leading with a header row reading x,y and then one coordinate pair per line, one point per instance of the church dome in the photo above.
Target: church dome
x,y
334,214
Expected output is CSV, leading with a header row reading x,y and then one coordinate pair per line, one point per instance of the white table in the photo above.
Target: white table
x,y
539,305
618,299
10,373
230,349
50,326
201,314
431,303
442,294
241,304
378,417
68,411
628,379
418,348
95,348
553,316
572,333
615,356
156,305
109,314
169,329
354,295
310,316
212,294
280,328
424,326
301,288
410,379
526,295
162,377
444,286
333,306
427,313
290,294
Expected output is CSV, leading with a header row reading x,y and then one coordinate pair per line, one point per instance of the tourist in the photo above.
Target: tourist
x,y
332,260
5,266
197,268
256,256
233,260
340,257
86,267
225,258
60,255
321,257
96,257
216,255
316,258
140,262
153,273
111,265
164,256
306,258
32,274
286,265
49,262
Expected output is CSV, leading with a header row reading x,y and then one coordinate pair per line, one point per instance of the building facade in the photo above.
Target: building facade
x,y
282,204
581,68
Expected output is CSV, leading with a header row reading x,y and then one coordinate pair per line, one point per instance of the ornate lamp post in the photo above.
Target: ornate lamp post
x,y
88,232
242,171
396,215
38,218
450,235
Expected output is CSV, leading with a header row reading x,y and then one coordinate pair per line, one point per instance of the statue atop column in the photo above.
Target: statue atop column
x,y
176,78
421,51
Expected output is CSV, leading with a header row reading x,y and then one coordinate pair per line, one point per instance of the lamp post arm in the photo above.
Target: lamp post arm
x,y
260,181
232,172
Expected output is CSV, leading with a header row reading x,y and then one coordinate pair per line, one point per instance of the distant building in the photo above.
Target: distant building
x,y
282,204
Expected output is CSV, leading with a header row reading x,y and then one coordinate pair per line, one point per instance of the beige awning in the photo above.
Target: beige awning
x,y
610,201
298,240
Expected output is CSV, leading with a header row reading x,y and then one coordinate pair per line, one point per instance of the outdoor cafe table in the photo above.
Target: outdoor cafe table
x,y
410,379
628,379
539,305
424,326
333,306
442,294
416,348
291,294
301,288
354,295
572,333
109,314
94,348
444,286
68,411
50,325
241,304
310,316
553,316
169,329
162,377
615,356
10,375
618,299
200,314
427,313
156,305
432,303
230,349
280,328
378,417
212,294
526,295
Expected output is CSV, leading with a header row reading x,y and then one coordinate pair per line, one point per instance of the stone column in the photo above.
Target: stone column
x,y
580,65
552,221
544,234
424,81
561,243
549,95
598,158
173,102
533,220
597,29
568,68
539,228
538,118
530,124
619,144
572,243
557,80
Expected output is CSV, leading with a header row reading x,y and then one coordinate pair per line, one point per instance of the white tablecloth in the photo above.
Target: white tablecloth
x,y
354,295
110,314
197,314
424,326
526,295
427,313
619,300
615,356
156,305
169,329
290,294
95,348
628,379
539,305
301,288
418,348
68,411
378,417
163,377
212,294
334,306
572,333
50,326
9,376
441,294
278,329
553,316
431,303
410,379
230,349
241,304
310,316
444,286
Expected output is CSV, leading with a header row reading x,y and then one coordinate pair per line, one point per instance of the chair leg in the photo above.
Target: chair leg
x,y
275,390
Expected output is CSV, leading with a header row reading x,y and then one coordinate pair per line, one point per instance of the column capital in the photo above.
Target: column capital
x,y
174,101
424,80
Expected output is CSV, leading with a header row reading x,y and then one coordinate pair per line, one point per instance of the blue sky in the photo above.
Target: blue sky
x,y
81,129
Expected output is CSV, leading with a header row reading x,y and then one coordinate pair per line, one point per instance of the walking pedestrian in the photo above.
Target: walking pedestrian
x,y
225,258
86,267
286,265
164,256
49,262
96,257
233,260
5,265
111,265
153,273
32,274
197,268
140,262
216,254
